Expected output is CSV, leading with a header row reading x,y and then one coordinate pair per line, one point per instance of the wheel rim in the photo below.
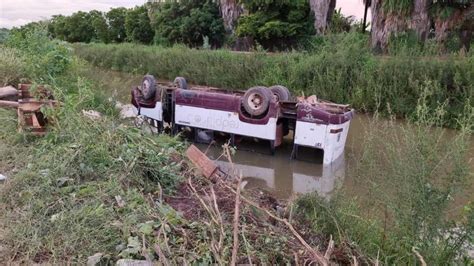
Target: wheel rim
x,y
276,97
255,101
146,87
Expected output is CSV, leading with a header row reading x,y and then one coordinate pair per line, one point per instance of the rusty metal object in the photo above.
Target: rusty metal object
x,y
30,101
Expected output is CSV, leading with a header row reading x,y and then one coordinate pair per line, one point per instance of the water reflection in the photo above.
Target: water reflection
x,y
280,175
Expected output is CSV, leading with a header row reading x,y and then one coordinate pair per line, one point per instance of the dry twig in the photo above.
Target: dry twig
x,y
235,248
330,249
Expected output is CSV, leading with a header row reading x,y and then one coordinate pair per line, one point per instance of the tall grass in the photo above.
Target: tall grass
x,y
411,173
59,204
12,67
339,69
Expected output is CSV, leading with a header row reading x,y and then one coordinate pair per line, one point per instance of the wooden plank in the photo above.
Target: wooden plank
x,y
201,161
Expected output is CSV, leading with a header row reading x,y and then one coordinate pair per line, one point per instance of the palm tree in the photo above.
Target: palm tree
x,y
322,11
367,4
230,13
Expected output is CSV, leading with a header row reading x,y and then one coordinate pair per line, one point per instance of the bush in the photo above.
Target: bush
x,y
44,59
12,67
339,68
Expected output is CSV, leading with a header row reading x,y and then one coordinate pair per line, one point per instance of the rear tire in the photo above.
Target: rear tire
x,y
280,93
148,87
256,100
181,83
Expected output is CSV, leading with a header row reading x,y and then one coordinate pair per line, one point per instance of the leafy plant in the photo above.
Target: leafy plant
x,y
277,24
188,22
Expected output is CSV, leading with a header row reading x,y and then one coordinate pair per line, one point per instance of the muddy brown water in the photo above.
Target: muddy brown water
x,y
280,175
284,177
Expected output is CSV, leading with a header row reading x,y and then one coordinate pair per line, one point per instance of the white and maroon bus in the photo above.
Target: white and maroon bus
x,y
259,112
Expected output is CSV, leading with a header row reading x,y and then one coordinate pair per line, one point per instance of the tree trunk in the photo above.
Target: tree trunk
x,y
459,17
366,9
332,7
420,21
230,12
383,26
321,9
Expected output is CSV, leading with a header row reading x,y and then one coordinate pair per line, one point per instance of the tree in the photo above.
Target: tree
x,y
137,25
276,24
322,11
79,27
420,21
390,17
386,20
57,27
452,15
116,20
230,11
189,22
101,29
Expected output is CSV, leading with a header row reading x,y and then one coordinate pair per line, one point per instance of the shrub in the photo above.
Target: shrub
x,y
12,67
44,59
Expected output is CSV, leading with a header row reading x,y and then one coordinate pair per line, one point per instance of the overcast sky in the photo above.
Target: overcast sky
x,y
19,12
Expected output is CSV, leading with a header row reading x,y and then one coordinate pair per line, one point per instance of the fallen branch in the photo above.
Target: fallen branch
x,y
235,248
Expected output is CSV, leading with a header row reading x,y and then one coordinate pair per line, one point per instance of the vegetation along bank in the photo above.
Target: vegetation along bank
x,y
341,69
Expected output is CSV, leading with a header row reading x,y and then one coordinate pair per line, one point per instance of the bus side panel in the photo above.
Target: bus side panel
x,y
223,121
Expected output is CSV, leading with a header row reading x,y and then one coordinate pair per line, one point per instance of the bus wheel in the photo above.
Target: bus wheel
x,y
280,93
148,87
181,83
256,100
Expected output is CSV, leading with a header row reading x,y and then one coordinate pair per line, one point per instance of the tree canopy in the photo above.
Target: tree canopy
x,y
276,23
137,25
189,22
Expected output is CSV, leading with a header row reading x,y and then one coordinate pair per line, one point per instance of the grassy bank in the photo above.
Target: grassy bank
x,y
340,69
104,186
